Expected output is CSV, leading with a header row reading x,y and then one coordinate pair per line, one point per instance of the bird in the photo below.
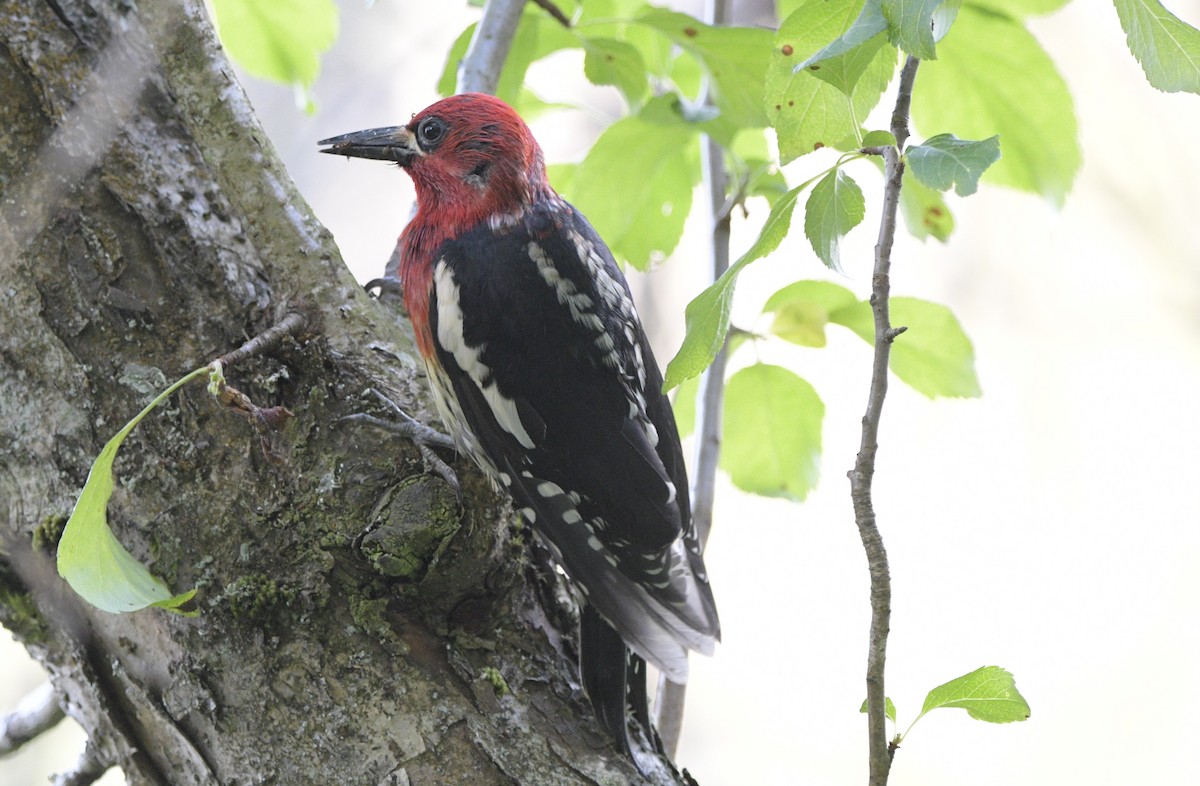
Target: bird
x,y
543,374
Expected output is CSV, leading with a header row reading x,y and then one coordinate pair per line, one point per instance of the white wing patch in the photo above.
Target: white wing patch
x,y
580,303
450,337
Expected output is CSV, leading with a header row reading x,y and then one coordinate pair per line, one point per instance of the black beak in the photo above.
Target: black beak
x,y
382,144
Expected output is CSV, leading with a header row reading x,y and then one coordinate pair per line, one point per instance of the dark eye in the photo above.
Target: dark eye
x,y
430,132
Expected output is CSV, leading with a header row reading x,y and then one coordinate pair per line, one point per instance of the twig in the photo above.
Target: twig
x,y
709,399
90,767
480,69
264,420
554,11
290,325
37,713
864,466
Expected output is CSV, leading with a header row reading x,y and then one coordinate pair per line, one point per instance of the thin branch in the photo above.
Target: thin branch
x,y
266,421
480,69
709,399
290,325
864,467
37,713
89,769
554,12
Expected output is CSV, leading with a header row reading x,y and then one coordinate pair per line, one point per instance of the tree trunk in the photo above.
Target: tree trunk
x,y
357,624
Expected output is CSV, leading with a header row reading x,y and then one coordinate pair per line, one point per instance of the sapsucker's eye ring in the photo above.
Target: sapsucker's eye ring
x,y
430,132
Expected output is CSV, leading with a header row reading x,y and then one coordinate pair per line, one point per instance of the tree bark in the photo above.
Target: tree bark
x,y
357,625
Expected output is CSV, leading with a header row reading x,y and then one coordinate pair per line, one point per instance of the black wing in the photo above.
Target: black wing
x,y
560,396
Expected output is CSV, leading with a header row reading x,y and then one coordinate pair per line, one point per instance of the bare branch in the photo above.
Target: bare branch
x,y
37,713
90,767
290,325
480,69
864,467
554,11
709,399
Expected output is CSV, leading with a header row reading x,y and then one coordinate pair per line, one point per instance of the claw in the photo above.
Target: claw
x,y
424,437
385,284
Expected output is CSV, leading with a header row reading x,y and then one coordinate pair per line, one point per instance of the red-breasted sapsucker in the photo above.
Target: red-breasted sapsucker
x,y
542,372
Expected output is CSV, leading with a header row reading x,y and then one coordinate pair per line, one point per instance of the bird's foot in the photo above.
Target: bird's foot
x,y
387,284
424,437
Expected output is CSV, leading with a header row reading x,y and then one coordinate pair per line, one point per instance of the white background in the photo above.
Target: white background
x,y
1049,527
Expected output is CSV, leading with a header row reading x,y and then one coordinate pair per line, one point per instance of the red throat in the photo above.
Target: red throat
x,y
488,167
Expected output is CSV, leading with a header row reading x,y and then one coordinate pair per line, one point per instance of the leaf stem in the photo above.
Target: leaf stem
x,y
864,466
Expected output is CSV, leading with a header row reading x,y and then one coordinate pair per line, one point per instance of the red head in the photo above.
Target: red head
x,y
473,160
471,156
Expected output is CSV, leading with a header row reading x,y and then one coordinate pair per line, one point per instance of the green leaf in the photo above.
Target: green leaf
x,y
843,71
994,78
684,404
640,216
808,113
917,25
987,694
561,176
844,61
448,80
867,26
537,36
889,709
281,40
1021,7
707,316
945,160
878,139
91,558
771,427
611,62
834,207
735,57
750,162
925,212
1167,48
802,310
933,356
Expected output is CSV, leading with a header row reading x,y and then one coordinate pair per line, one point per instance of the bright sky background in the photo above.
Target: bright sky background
x,y
1049,527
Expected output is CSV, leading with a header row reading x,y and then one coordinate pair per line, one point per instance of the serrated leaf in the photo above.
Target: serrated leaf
x,y
911,24
843,71
735,57
987,694
834,207
707,316
771,432
889,709
91,558
1167,48
925,212
945,160
801,310
807,113
282,40
933,356
842,62
988,66
610,62
640,216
